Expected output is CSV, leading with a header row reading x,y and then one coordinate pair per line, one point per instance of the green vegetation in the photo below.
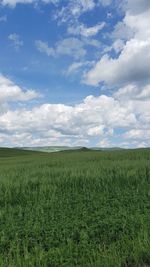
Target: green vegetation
x,y
84,209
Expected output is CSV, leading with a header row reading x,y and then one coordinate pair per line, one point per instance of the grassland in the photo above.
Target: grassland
x,y
83,208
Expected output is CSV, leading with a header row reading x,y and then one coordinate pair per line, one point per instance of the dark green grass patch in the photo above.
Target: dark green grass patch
x,y
79,209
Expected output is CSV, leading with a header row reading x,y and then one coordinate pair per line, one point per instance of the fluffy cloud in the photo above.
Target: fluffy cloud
x,y
10,92
133,92
95,117
56,121
138,134
133,63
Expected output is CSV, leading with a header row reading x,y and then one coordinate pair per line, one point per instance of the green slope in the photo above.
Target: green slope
x,y
13,152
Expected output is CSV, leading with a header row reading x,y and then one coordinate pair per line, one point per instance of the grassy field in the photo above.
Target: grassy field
x,y
82,208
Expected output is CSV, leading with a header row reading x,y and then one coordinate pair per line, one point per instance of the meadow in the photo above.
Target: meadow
x,y
75,208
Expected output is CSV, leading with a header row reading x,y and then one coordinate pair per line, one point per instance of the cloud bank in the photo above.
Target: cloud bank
x,y
95,117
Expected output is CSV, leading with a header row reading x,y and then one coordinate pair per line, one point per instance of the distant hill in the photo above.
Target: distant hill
x,y
49,148
66,148
107,148
81,149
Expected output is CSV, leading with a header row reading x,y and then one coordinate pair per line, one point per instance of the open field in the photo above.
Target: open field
x,y
82,208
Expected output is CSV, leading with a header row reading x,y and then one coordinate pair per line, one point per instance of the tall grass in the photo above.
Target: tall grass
x,y
66,209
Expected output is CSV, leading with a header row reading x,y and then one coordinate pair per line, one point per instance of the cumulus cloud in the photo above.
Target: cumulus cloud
x,y
95,117
10,92
134,92
137,134
90,118
133,63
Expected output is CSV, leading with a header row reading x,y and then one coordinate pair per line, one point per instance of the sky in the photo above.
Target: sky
x,y
75,73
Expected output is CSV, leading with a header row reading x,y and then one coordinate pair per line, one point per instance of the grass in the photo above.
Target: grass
x,y
84,209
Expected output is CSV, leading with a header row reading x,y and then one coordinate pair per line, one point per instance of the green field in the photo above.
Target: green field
x,y
75,208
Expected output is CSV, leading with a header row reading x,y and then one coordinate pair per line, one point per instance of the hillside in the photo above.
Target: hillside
x,y
49,148
66,148
14,152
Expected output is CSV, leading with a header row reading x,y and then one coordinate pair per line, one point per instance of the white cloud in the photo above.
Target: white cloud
x,y
104,143
44,48
137,134
10,92
118,45
69,46
133,92
122,31
137,6
98,117
13,3
15,40
85,31
90,118
96,131
73,10
74,7
133,63
76,66
105,2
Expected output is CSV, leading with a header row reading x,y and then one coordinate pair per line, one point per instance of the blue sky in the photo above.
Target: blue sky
x,y
75,73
